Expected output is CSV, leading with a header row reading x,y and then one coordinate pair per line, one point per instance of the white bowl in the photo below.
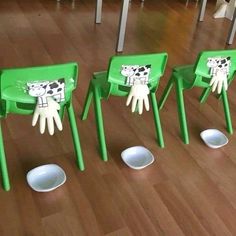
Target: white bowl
x,y
214,138
137,157
46,178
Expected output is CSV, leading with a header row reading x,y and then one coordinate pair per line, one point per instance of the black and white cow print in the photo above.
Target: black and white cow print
x,y
218,64
136,74
44,89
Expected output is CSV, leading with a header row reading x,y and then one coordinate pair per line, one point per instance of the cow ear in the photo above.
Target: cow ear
x,y
149,66
228,58
61,81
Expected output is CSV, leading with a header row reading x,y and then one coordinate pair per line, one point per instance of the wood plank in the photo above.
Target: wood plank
x,y
188,190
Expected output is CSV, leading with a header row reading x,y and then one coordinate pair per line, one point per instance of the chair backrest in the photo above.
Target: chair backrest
x,y
13,85
202,71
155,64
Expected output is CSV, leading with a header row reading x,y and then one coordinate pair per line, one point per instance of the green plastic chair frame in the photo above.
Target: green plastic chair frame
x,y
111,82
14,99
189,76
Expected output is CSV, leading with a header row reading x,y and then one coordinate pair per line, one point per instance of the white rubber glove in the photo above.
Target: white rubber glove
x,y
139,94
219,80
49,113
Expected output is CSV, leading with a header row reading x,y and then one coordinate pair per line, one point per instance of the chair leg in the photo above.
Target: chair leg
x,y
227,112
100,127
205,93
75,136
166,92
3,164
157,120
87,102
181,112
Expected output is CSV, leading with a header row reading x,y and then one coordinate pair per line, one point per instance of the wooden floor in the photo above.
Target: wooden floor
x,y
188,190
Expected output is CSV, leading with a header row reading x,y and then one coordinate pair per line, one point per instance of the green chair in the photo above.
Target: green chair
x,y
15,99
197,75
111,82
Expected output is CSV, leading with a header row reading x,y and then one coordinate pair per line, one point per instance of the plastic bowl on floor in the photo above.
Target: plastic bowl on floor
x,y
46,178
214,138
137,157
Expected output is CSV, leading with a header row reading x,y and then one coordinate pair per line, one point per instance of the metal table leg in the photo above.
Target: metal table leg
x,y
202,10
232,29
122,25
98,13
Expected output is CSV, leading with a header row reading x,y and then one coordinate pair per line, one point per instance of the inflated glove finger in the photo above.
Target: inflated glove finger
x,y
42,124
35,118
57,120
214,86
129,99
134,103
50,125
219,88
225,84
213,80
140,106
146,103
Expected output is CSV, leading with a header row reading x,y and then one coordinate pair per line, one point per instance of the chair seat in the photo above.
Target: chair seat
x,y
101,75
100,82
13,94
99,78
186,74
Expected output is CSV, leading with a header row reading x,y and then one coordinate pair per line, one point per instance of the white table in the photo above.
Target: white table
x,y
122,22
232,29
